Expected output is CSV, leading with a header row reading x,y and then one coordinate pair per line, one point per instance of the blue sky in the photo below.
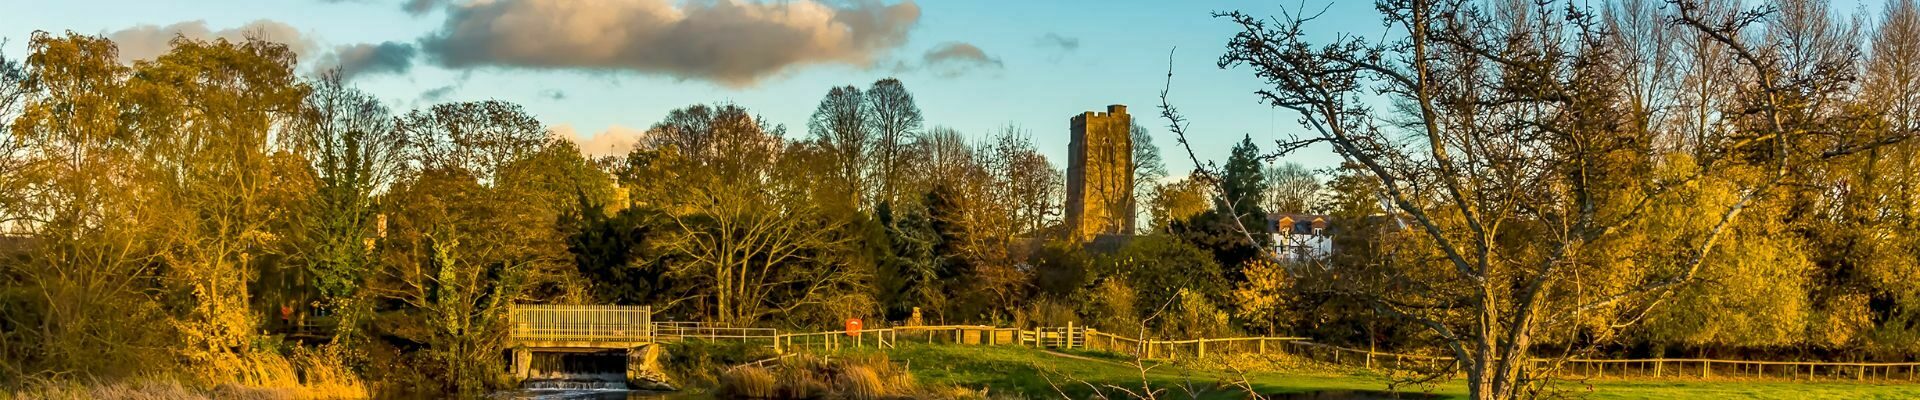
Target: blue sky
x,y
1121,58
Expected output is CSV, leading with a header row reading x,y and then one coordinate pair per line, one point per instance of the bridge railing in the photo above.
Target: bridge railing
x,y
581,323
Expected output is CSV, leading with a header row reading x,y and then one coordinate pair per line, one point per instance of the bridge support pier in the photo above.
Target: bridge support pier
x,y
522,363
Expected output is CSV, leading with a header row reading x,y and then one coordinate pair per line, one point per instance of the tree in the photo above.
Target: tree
x,y
551,183
1177,201
1291,188
753,245
448,275
1148,167
622,254
13,155
1161,269
840,126
1892,85
1026,187
1242,183
348,137
205,111
953,256
1515,110
81,295
1262,298
895,122
477,137
473,229
947,159
908,277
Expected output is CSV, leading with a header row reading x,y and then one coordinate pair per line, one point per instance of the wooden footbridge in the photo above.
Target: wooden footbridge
x,y
553,332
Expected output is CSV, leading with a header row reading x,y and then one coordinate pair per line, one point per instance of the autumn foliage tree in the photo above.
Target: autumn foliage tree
x,y
1520,169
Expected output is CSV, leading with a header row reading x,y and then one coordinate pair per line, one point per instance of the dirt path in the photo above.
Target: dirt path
x,y
1084,358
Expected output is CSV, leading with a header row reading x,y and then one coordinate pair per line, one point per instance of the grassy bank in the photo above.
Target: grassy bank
x,y
172,389
1021,372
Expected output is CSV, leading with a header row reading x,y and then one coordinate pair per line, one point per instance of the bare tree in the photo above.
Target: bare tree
x,y
1515,161
1291,188
895,122
1026,187
840,126
13,153
947,156
754,248
477,137
1149,167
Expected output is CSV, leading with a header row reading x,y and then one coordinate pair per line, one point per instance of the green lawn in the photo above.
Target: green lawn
x,y
1003,369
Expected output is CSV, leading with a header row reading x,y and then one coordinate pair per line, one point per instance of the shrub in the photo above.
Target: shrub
x,y
696,361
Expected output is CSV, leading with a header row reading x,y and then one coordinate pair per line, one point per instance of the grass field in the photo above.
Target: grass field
x,y
1035,374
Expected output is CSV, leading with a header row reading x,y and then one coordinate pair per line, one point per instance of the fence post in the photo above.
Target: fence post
x,y
1263,345
1203,349
1706,369
1657,364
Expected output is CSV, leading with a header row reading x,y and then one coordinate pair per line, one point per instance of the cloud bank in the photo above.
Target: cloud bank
x,y
418,7
366,58
145,42
730,42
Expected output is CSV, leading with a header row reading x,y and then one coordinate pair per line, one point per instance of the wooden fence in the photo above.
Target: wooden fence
x,y
1644,368
1089,339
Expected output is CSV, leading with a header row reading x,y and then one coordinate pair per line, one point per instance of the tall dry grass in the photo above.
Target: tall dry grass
x,y
308,374
749,382
870,377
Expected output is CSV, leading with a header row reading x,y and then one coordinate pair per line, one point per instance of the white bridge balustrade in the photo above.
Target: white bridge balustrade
x,y
581,324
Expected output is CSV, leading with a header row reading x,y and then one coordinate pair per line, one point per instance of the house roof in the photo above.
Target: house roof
x,y
1298,224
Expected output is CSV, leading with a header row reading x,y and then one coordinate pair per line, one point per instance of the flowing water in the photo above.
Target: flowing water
x,y
1354,395
581,376
557,389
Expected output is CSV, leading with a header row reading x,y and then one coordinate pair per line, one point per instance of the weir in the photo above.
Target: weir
x,y
584,347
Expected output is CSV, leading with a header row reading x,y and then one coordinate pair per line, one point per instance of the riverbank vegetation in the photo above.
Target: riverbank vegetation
x,y
1627,178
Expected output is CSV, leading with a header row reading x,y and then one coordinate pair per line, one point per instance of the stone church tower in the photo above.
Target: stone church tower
x,y
1100,175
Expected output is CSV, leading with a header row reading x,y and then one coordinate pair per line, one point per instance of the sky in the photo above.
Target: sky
x,y
602,71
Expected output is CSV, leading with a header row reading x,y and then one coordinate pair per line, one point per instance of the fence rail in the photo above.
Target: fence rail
x,y
1090,339
620,323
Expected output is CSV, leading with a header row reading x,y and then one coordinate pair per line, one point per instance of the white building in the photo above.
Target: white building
x,y
1300,236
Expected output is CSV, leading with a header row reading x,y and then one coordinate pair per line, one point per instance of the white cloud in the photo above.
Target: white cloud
x,y
731,42
145,42
614,141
